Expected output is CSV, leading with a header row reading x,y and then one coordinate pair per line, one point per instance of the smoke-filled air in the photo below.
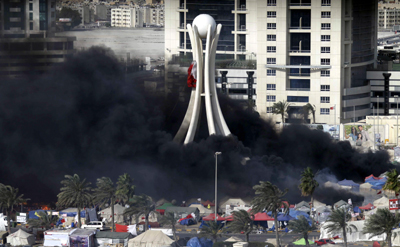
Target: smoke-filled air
x,y
85,117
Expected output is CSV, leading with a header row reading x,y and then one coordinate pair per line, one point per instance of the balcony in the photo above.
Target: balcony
x,y
241,48
300,28
299,74
298,50
241,28
298,89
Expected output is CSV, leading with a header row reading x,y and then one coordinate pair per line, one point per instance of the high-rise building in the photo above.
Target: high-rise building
x,y
306,51
27,41
126,17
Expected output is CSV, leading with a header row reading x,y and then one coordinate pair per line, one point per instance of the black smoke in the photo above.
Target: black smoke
x,y
85,117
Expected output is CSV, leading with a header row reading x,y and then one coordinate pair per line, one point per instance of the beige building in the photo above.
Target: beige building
x,y
306,51
153,16
27,42
126,17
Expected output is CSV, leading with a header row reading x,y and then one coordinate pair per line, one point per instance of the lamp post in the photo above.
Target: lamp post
x,y
377,113
216,169
397,121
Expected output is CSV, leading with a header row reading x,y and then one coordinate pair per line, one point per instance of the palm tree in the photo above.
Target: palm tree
x,y
104,194
211,230
337,221
75,193
307,109
270,198
169,219
392,182
242,222
280,108
46,220
125,188
308,184
383,221
141,205
9,198
302,226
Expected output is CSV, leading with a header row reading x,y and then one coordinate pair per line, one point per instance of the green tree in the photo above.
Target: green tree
x,y
280,108
170,219
307,109
392,182
338,221
302,226
211,230
270,198
383,221
10,198
242,222
65,12
141,205
308,184
125,188
75,193
46,220
104,194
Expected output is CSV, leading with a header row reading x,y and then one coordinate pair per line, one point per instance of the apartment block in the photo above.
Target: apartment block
x,y
126,17
305,51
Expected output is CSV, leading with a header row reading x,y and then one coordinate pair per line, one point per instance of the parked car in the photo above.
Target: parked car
x,y
94,225
324,241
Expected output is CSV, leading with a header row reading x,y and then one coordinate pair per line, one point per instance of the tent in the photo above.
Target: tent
x,y
372,176
285,217
150,239
20,238
203,210
302,204
212,217
162,208
182,212
199,242
365,188
262,217
118,213
340,204
302,241
382,202
350,183
72,212
318,204
103,238
208,202
234,239
82,238
57,237
369,206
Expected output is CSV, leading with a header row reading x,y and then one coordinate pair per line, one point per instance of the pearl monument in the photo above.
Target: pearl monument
x,y
204,27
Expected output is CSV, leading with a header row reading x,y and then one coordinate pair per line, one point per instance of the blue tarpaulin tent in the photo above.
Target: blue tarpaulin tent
x,y
348,183
34,214
356,210
187,222
71,212
199,242
285,218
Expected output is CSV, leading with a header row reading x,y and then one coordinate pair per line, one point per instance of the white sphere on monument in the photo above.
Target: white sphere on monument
x,y
202,22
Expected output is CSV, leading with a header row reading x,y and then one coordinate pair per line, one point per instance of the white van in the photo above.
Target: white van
x,y
94,225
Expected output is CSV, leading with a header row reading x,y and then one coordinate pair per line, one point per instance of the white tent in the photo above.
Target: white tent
x,y
234,239
118,213
365,188
57,237
382,202
21,238
150,239
203,210
318,204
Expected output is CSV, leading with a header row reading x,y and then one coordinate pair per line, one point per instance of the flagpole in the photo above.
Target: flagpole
x,y
335,121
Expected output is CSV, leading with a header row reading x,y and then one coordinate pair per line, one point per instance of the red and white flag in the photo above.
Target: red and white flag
x,y
332,107
192,72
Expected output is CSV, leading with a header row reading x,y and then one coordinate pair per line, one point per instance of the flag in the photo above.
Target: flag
x,y
192,71
379,192
332,107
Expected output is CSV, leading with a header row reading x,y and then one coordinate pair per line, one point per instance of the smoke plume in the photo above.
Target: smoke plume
x,y
85,117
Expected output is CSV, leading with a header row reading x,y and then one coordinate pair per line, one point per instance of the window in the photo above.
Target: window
x,y
269,109
30,6
31,16
325,99
325,38
325,61
325,26
30,25
324,111
271,72
271,37
271,49
325,14
325,88
297,99
271,3
271,14
325,2
325,50
271,25
271,98
325,73
271,60
271,86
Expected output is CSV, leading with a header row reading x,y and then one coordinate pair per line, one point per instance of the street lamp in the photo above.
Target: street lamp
x,y
397,120
377,112
216,166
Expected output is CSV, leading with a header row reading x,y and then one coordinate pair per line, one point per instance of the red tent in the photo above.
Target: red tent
x,y
262,217
208,202
369,206
287,203
229,218
372,176
212,217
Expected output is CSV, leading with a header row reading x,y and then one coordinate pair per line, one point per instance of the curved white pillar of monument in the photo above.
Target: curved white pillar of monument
x,y
198,47
207,95
219,117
